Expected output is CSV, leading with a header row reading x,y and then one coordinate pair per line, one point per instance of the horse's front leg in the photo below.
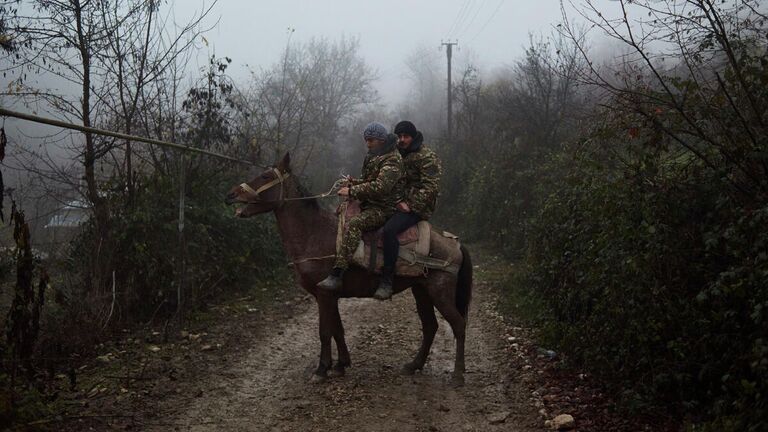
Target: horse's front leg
x,y
344,360
326,304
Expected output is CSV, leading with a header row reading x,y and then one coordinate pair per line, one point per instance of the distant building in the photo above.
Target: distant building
x,y
72,215
65,224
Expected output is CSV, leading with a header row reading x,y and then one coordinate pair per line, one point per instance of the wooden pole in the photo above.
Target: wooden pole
x,y
182,264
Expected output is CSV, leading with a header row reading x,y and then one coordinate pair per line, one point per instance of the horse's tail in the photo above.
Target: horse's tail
x,y
464,283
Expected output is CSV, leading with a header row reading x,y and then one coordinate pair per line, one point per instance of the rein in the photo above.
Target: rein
x,y
279,180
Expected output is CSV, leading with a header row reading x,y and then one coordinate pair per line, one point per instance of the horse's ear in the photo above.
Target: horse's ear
x,y
285,163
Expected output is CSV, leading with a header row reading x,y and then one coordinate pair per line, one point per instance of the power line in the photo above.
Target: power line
x,y
498,7
59,123
469,25
460,16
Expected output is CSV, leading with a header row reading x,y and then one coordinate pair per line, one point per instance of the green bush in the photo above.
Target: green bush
x,y
221,252
654,276
644,245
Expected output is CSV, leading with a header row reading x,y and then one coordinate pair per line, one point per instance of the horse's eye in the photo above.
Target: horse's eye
x,y
265,176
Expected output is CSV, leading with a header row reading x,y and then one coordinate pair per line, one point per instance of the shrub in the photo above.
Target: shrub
x,y
221,253
654,276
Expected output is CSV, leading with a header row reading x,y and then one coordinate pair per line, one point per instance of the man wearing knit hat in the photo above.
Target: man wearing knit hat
x,y
422,182
379,189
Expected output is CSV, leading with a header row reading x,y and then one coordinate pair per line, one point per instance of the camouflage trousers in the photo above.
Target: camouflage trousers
x,y
368,220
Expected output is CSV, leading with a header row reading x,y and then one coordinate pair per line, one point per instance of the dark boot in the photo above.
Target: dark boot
x,y
333,281
384,291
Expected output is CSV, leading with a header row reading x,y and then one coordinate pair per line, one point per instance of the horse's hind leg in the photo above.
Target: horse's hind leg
x,y
443,294
428,329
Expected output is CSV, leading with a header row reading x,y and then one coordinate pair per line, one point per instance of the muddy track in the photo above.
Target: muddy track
x,y
250,371
245,365
267,386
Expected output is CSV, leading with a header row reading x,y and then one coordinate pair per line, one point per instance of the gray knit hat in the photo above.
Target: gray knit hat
x,y
375,130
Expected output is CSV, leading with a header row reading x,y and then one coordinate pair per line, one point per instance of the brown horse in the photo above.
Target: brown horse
x,y
309,237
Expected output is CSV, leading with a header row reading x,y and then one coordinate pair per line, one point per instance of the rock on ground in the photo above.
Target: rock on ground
x,y
563,422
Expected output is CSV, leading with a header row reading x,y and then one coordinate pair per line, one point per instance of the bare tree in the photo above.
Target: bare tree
x,y
469,99
425,101
139,52
103,57
111,52
304,102
8,10
690,73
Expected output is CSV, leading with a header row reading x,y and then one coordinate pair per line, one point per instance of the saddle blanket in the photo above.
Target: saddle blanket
x,y
421,248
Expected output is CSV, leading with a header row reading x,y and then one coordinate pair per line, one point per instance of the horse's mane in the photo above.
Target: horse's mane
x,y
303,191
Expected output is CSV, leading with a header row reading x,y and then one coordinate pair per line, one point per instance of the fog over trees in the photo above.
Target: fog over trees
x,y
619,162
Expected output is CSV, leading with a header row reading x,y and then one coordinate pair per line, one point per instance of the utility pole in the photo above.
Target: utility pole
x,y
181,296
449,53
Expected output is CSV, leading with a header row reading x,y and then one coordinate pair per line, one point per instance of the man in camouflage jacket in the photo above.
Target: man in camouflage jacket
x,y
422,172
379,190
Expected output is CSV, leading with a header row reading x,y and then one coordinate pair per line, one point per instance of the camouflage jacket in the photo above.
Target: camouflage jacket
x,y
422,173
382,181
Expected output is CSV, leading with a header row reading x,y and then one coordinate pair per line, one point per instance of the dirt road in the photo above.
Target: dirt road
x,y
246,364
268,389
251,372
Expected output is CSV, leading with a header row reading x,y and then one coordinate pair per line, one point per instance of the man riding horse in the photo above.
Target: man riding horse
x,y
414,195
379,190
422,182
309,235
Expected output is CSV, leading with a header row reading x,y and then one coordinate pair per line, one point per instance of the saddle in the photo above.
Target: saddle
x,y
422,247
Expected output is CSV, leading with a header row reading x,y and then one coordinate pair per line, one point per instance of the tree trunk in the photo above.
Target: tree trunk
x,y
100,211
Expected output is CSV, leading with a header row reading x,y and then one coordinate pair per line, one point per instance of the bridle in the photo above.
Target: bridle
x,y
279,180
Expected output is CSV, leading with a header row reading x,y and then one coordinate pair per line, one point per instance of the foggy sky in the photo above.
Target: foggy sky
x,y
490,33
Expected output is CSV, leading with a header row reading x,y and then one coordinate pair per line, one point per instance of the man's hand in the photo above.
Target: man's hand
x,y
343,191
348,179
403,207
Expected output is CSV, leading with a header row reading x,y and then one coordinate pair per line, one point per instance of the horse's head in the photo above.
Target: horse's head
x,y
264,193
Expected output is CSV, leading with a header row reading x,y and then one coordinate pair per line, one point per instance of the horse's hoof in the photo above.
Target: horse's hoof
x,y
336,372
457,380
409,369
318,379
